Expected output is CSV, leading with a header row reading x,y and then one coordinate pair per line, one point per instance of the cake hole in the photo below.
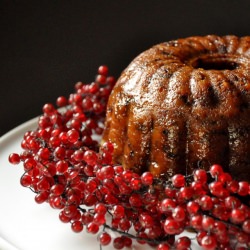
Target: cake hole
x,y
213,62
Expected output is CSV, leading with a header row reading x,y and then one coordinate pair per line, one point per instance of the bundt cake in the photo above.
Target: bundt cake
x,y
182,105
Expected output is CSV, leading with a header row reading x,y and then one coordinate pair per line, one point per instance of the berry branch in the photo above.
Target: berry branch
x,y
65,167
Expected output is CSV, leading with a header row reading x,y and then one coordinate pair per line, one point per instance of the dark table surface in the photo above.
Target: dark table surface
x,y
47,46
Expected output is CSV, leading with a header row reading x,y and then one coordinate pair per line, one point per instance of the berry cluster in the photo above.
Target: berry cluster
x,y
65,167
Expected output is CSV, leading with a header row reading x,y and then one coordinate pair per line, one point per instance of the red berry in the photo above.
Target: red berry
x,y
200,235
63,217
72,135
101,79
193,207
216,188
147,178
135,200
225,177
171,226
127,175
242,237
178,180
167,205
106,172
90,157
124,224
14,158
183,243
246,226
207,223
99,219
49,109
179,213
142,237
127,241
219,228
146,220
78,85
118,243
57,189
29,163
200,175
209,242
103,70
215,170
104,239
118,211
169,192
232,202
57,202
199,188
70,211
238,215
243,188
43,153
186,193
92,228
61,166
43,184
61,101
111,81
93,88
100,208
77,226
87,218
107,147
110,199
135,184
206,203
196,222
221,212
41,197
163,246
59,152
233,186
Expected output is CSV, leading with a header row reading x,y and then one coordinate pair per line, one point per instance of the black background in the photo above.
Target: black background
x,y
47,46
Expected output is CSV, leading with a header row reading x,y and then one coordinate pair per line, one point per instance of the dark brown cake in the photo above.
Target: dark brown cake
x,y
184,104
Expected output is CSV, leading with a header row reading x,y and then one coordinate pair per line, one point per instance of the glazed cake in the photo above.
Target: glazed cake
x,y
183,105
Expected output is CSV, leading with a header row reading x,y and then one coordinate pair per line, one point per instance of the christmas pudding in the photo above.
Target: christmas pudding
x,y
183,105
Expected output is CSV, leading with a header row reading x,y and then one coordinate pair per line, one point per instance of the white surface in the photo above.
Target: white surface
x,y
25,225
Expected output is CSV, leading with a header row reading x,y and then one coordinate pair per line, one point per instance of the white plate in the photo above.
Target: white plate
x,y
25,225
